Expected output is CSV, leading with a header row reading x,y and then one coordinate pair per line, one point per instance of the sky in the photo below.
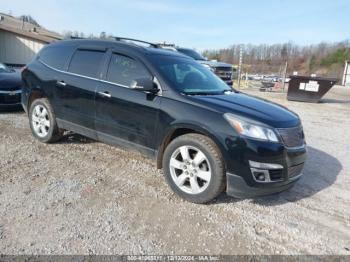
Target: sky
x,y
200,24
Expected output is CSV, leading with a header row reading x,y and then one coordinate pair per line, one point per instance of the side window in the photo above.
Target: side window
x,y
86,63
123,70
55,56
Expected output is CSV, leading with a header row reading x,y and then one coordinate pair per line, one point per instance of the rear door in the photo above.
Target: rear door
x,y
78,88
125,116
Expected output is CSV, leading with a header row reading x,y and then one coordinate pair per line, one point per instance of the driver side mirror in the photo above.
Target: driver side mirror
x,y
144,84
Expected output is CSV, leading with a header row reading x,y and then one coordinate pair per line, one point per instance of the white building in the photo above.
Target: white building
x,y
20,41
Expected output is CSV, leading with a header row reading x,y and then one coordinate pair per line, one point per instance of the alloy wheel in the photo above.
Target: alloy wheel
x,y
190,169
40,121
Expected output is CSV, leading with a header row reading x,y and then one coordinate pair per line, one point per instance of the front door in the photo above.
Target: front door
x,y
125,116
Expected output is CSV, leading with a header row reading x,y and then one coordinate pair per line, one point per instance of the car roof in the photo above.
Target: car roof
x,y
114,43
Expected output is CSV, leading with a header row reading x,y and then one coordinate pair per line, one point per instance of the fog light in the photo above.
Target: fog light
x,y
261,175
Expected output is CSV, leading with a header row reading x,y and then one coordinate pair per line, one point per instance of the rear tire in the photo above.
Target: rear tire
x,y
194,168
42,121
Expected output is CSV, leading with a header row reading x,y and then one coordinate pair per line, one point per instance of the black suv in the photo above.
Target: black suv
x,y
207,137
223,70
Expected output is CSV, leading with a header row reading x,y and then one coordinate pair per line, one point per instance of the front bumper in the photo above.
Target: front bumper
x,y
237,187
10,99
281,166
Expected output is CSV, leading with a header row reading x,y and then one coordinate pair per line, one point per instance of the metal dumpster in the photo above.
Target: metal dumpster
x,y
309,89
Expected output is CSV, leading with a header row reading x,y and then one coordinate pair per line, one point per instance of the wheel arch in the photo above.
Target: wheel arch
x,y
182,129
32,88
35,94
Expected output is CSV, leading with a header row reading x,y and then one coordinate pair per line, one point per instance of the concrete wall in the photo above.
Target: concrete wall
x,y
16,49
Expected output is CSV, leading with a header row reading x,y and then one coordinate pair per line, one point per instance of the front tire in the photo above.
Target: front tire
x,y
43,121
194,168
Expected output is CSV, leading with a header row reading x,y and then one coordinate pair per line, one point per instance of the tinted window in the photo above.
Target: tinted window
x,y
55,56
188,76
123,70
86,63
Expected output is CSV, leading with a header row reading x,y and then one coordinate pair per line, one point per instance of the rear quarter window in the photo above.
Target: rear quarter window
x,y
55,56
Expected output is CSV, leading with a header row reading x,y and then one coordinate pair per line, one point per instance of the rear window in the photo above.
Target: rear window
x,y
56,56
86,63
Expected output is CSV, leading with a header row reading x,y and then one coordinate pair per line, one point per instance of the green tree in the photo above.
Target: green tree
x,y
337,57
312,63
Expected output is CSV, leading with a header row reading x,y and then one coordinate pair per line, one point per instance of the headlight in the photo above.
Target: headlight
x,y
251,130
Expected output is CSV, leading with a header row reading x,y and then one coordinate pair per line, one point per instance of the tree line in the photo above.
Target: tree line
x,y
323,59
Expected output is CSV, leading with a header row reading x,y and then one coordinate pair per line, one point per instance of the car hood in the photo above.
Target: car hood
x,y
214,64
10,80
250,107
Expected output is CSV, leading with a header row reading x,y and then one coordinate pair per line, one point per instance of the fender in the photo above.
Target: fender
x,y
193,127
31,90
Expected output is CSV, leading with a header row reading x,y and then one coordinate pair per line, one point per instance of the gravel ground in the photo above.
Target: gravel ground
x,y
84,197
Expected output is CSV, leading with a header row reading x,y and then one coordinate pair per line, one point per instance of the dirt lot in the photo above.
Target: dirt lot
x,y
81,197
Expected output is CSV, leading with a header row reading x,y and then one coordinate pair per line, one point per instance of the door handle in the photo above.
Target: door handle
x,y
105,94
61,83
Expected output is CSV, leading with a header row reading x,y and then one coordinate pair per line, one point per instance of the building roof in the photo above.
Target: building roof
x,y
17,26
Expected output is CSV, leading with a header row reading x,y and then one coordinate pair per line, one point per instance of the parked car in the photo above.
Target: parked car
x,y
10,88
223,70
257,77
271,78
206,136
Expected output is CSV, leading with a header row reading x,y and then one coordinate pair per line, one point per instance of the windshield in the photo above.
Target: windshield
x,y
4,69
191,53
188,76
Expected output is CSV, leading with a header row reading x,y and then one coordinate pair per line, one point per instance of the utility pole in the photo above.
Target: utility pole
x,y
284,75
240,65
346,73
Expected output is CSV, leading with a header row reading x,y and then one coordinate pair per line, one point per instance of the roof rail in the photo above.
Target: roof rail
x,y
76,37
165,44
117,38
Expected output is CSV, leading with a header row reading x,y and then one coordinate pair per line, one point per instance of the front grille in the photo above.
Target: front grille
x,y
294,171
292,137
10,99
276,174
224,75
223,69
